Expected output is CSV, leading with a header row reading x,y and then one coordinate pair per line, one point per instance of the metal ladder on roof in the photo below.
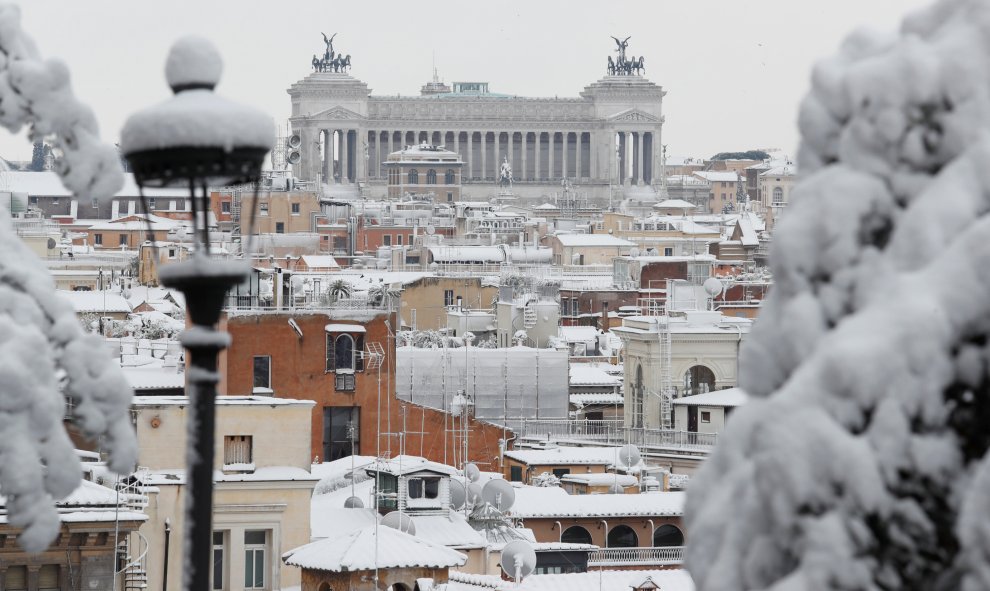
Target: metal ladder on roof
x,y
666,360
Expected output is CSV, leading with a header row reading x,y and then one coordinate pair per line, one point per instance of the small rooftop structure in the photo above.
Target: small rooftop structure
x,y
727,397
357,551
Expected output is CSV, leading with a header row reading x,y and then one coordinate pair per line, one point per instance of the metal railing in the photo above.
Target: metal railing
x,y
612,432
662,555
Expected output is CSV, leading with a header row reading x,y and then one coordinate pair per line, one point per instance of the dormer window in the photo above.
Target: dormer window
x,y
424,488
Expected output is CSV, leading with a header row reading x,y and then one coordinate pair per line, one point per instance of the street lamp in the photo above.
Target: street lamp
x,y
198,139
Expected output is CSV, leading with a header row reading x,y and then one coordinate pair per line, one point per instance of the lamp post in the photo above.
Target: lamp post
x,y
197,139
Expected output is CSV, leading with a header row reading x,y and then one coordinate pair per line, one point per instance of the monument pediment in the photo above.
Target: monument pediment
x,y
338,113
634,115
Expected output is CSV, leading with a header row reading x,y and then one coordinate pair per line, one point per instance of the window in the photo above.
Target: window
x,y
778,195
424,488
341,431
448,177
431,177
706,416
448,297
574,307
565,307
387,240
151,204
224,207
48,578
263,209
33,199
410,241
237,449
344,382
280,227
668,251
561,472
398,239
123,240
344,352
218,561
668,535
413,176
98,238
16,578
295,209
254,558
262,371
515,473
450,196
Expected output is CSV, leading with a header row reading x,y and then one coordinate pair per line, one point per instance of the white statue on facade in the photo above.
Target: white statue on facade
x,y
505,174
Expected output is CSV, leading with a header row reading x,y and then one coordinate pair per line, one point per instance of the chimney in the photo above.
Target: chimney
x,y
605,326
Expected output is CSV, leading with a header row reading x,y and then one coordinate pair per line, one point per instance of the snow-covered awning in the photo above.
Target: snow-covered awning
x,y
345,328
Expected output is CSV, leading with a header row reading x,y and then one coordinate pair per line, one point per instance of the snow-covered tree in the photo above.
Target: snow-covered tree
x,y
862,462
48,364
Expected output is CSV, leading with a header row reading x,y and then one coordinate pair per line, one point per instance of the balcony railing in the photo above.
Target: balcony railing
x,y
612,432
663,555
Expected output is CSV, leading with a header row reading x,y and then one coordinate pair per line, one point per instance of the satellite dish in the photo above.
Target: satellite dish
x,y
518,560
294,157
628,456
430,230
472,472
458,494
400,521
474,493
353,503
712,286
294,141
634,252
51,243
616,489
499,494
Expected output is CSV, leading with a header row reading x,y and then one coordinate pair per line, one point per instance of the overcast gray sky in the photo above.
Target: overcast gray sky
x,y
734,71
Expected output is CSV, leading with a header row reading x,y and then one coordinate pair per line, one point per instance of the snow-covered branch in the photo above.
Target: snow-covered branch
x,y
863,466
48,364
37,93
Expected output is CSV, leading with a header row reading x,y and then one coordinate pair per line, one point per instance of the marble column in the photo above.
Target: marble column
x,y
552,172
564,137
640,177
524,145
484,155
536,154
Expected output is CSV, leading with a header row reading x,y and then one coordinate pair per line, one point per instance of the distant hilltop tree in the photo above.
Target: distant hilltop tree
x,y
747,155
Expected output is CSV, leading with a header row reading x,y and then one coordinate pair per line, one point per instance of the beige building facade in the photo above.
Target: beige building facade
x,y
261,495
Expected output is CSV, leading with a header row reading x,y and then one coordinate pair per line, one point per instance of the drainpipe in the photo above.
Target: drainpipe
x,y
606,532
653,529
168,533
560,531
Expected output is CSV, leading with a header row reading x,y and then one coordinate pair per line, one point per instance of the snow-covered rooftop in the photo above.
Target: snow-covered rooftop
x,y
588,374
593,398
592,240
727,397
675,204
221,401
320,261
716,176
358,550
47,184
542,502
84,302
598,580
601,479
579,456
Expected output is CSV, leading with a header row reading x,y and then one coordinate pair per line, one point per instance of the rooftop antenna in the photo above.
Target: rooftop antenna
x,y
518,560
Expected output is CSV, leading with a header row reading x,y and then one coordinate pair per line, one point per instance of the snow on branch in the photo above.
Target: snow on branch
x,y
37,93
862,461
49,368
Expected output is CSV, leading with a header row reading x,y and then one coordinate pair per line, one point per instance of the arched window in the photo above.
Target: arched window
x,y
698,380
431,177
622,536
413,176
344,352
448,177
325,587
778,195
575,535
668,535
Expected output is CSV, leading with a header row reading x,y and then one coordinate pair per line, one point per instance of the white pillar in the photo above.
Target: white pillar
x,y
563,154
525,138
536,153
552,136
639,158
484,155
